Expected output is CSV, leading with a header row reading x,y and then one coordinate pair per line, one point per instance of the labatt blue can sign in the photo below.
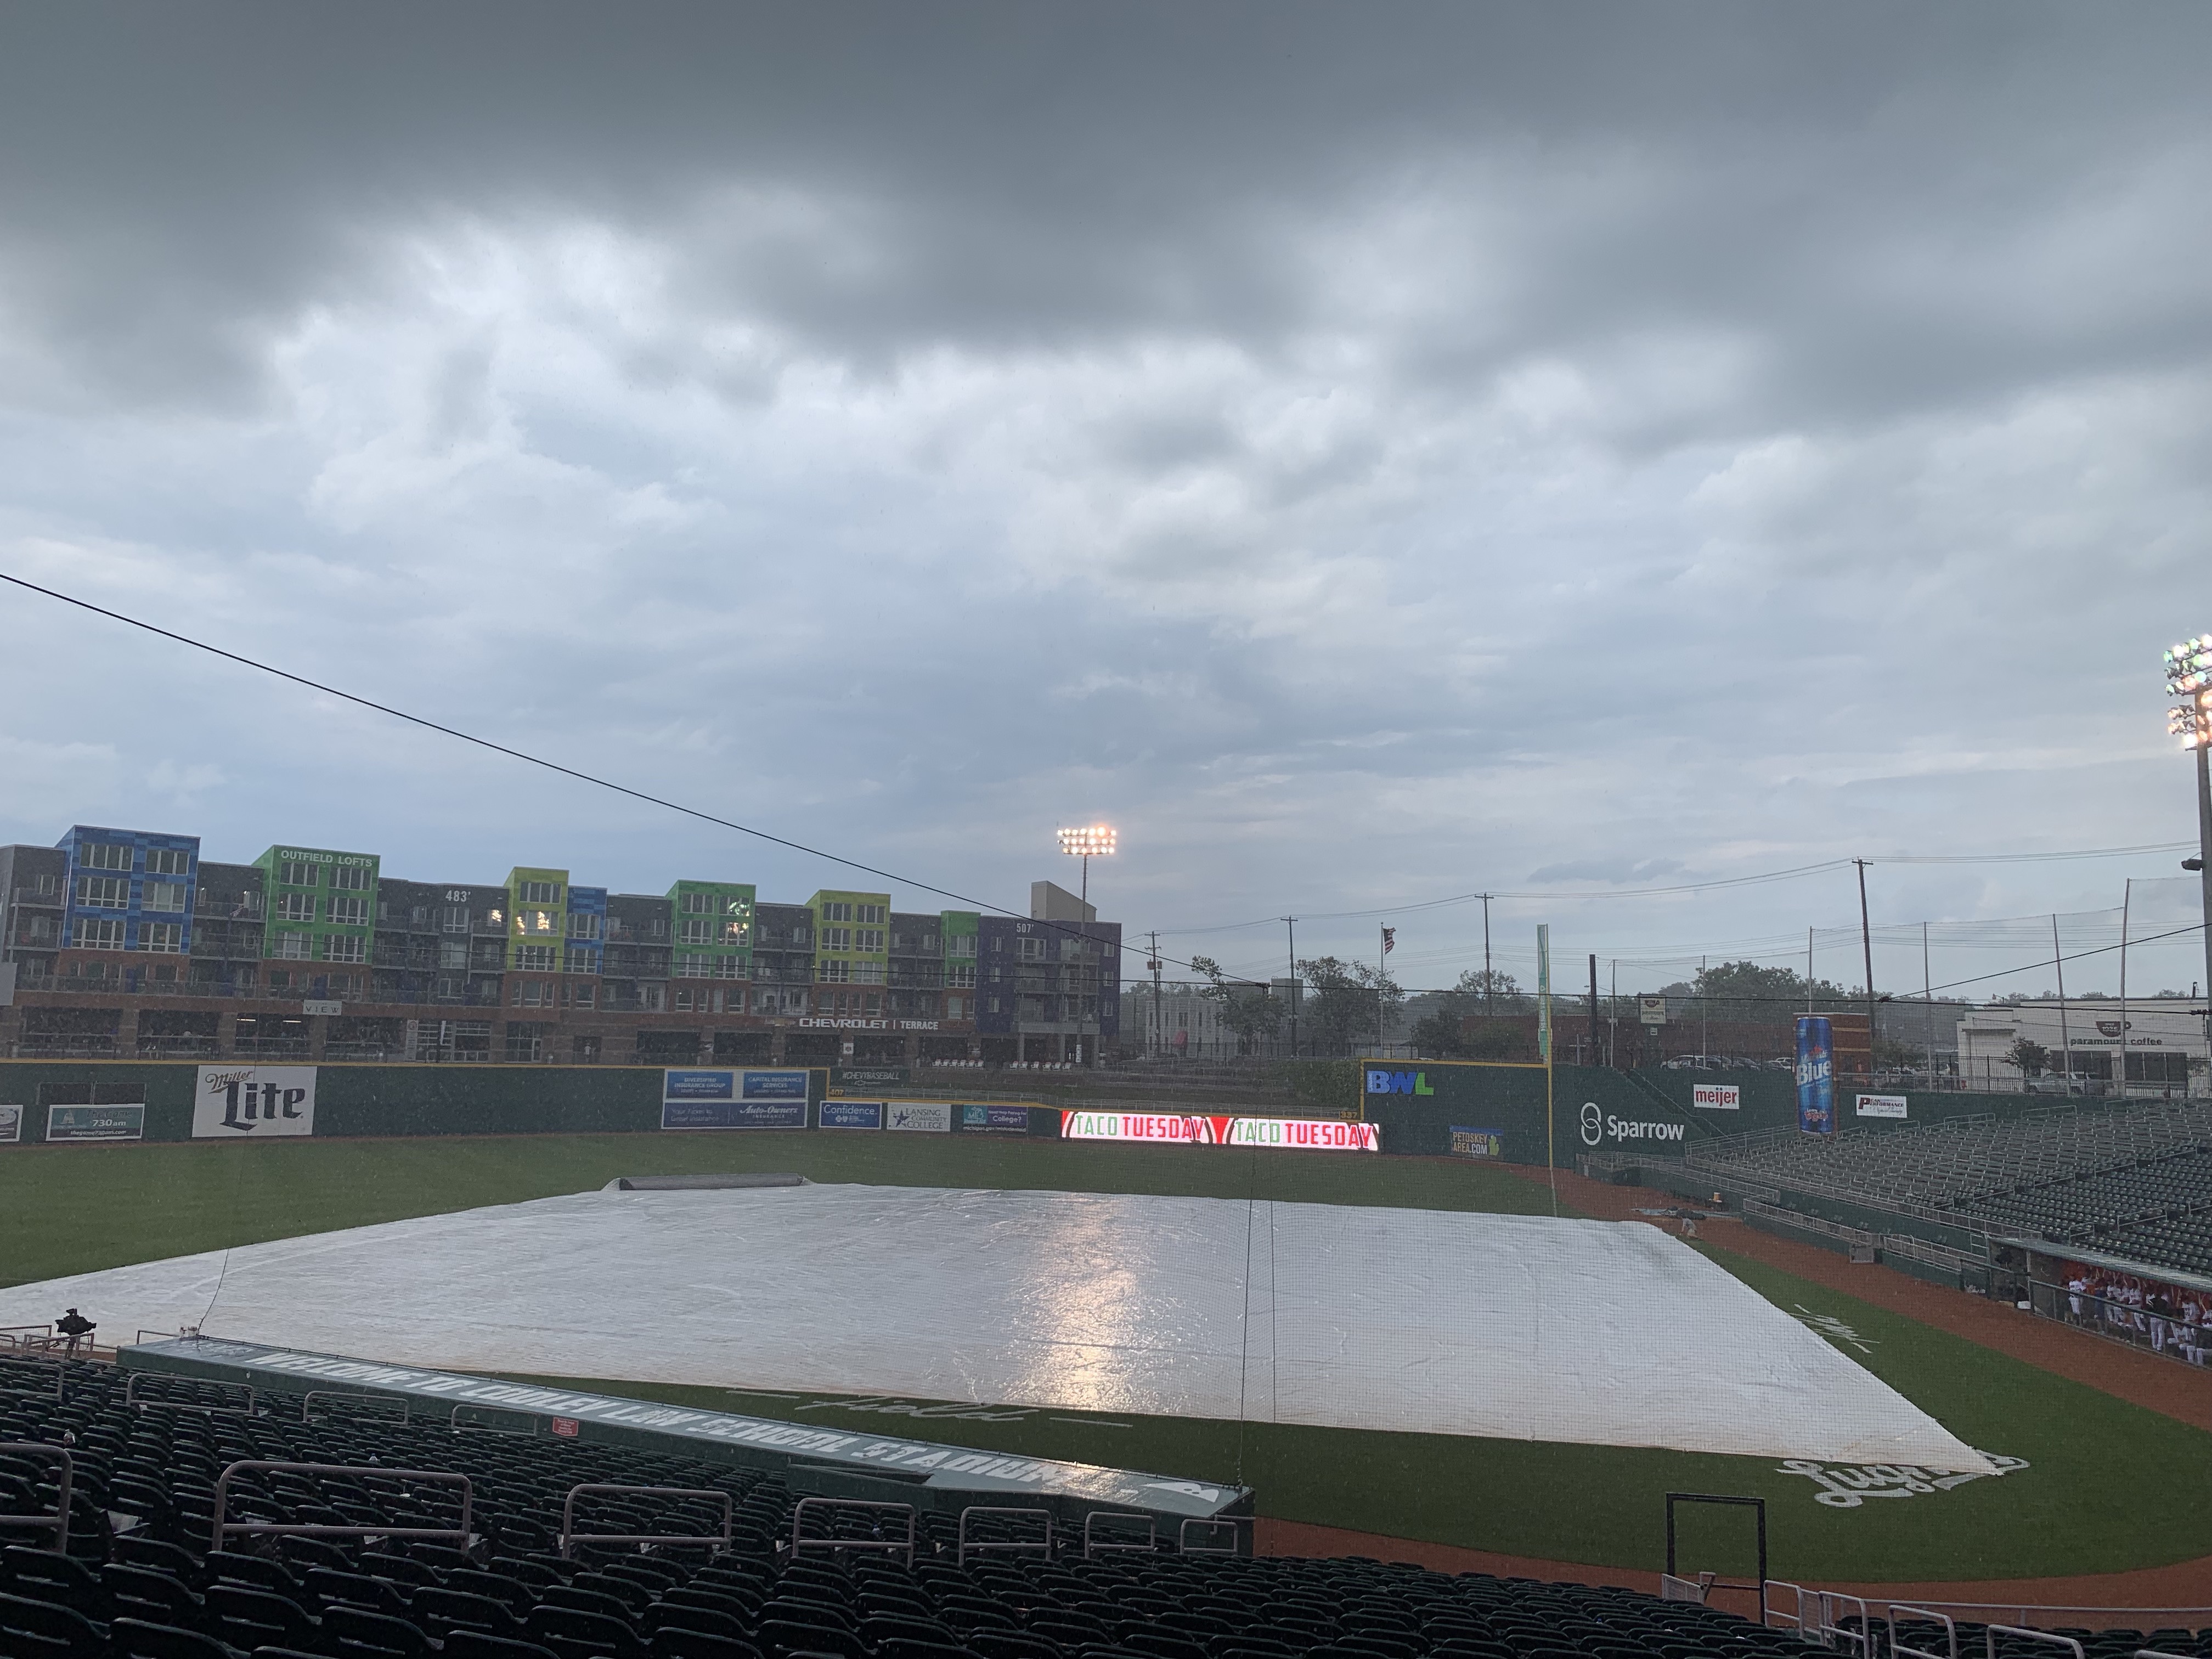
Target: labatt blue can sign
x,y
1816,1076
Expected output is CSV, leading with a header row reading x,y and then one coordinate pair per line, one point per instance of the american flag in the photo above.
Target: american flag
x,y
1389,940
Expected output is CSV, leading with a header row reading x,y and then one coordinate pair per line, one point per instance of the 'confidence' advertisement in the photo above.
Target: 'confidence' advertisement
x,y
1325,1134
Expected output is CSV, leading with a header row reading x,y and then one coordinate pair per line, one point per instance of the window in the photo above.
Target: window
x,y
350,912
952,1006
166,860
295,872
579,962
734,932
293,946
535,921
344,947
832,972
695,930
867,973
103,855
539,892
418,915
100,933
453,953
582,924
701,965
991,1004
876,913
162,936
1032,950
961,973
535,958
353,878
585,995
104,892
296,907
868,938
960,944
457,919
838,911
530,994
836,938
695,903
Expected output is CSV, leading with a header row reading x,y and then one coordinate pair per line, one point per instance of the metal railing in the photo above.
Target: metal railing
x,y
61,1379
1990,1639
1950,1632
27,1338
56,1523
964,1547
1093,1545
570,1537
308,1399
132,1402
453,1419
222,1529
799,1542
1184,1546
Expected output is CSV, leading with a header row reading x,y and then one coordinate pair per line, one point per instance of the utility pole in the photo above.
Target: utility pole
x,y
1159,1018
2065,1041
1595,1050
1866,943
1291,923
1490,990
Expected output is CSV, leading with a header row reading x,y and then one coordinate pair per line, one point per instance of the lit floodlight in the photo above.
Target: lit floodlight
x,y
1095,840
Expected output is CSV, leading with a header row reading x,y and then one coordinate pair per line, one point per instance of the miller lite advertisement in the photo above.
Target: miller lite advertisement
x,y
1816,1076
253,1103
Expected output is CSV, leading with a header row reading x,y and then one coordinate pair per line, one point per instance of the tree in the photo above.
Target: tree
x,y
1248,1011
1351,1003
1491,990
1437,1036
2030,1057
1746,991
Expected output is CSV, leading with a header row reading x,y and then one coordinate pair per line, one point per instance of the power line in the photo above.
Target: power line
x,y
535,760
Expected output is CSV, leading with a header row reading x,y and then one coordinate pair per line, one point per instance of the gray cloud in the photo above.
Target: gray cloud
x,y
1365,452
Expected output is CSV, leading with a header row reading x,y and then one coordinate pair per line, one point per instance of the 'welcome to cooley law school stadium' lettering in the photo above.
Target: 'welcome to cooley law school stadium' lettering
x,y
1325,1134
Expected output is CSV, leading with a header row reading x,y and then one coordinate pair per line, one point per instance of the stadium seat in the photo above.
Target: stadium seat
x,y
133,1639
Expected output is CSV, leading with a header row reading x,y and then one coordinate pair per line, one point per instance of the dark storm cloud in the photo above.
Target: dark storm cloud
x,y
1355,447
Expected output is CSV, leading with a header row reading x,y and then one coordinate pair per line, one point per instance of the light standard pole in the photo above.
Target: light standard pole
x,y
2189,677
1097,838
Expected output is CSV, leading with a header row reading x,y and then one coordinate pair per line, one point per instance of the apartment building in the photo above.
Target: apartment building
x,y
125,943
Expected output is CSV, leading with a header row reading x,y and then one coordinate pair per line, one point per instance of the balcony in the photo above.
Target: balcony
x,y
32,897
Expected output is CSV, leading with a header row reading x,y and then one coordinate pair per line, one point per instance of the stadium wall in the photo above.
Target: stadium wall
x,y
1445,1107
1484,1110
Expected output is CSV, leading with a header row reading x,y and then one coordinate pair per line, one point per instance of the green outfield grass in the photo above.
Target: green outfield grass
x,y
76,1209
2107,1486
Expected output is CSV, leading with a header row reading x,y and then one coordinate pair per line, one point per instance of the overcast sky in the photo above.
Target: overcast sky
x,y
1366,453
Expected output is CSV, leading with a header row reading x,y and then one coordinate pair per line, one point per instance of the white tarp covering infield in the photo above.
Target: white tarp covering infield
x,y
1507,1327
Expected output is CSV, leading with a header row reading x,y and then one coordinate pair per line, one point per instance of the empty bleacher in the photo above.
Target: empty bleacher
x,y
2132,1180
140,1580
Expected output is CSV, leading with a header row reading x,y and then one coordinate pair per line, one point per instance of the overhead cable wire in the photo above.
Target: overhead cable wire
x,y
539,760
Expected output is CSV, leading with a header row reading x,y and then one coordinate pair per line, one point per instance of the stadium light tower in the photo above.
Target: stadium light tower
x,y
2189,680
1094,838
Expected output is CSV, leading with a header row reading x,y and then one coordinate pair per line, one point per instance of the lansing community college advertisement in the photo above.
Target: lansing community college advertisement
x,y
253,1103
1325,1134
